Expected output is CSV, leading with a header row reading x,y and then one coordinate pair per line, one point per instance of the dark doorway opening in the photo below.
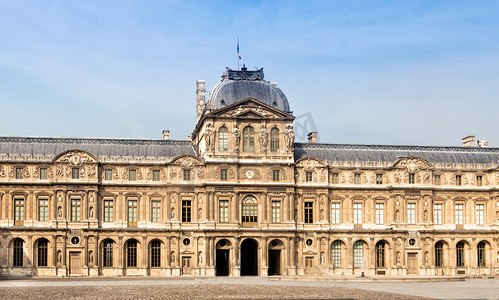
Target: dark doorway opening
x,y
249,258
222,262
222,258
274,262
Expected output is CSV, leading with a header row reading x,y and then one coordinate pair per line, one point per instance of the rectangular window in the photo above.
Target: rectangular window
x,y
479,181
335,178
186,210
132,213
308,176
276,211
437,214
187,175
411,213
223,211
75,173
479,214
459,179
380,213
43,173
357,213
155,175
18,211
132,175
309,212
75,209
108,210
356,178
108,174
436,179
19,173
275,175
412,179
155,211
43,210
458,209
335,213
223,174
379,178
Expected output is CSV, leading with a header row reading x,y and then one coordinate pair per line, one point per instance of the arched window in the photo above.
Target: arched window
x,y
274,140
107,253
248,139
42,253
439,251
380,254
131,253
18,253
250,211
223,139
155,254
481,254
460,254
357,254
336,254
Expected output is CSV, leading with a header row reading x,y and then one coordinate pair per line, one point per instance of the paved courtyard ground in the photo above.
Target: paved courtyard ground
x,y
239,288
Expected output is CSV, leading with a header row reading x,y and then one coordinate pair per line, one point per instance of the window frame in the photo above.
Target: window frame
x,y
276,211
223,138
75,209
248,139
223,211
156,211
308,216
43,209
108,210
186,211
335,212
379,213
274,139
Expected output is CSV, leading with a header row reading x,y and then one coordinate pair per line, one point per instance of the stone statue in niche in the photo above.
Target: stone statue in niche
x,y
289,137
91,213
237,137
323,258
172,258
263,138
426,259
397,216
210,136
426,216
200,258
91,257
398,259
59,212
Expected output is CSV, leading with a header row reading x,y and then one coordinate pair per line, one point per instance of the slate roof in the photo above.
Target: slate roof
x,y
239,85
374,153
97,147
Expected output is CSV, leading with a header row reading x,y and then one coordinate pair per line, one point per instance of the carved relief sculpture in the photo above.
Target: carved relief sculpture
x,y
210,137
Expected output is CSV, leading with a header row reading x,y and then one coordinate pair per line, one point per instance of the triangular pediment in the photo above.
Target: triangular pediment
x,y
250,108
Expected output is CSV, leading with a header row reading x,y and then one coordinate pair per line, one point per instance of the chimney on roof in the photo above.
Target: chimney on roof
x,y
166,135
312,137
482,144
469,141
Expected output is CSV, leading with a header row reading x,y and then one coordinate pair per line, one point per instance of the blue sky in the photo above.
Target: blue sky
x,y
369,72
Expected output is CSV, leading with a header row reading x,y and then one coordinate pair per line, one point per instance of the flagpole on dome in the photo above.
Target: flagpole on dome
x,y
238,55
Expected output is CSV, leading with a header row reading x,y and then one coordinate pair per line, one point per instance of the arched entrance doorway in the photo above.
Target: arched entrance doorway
x,y
249,258
275,248
222,258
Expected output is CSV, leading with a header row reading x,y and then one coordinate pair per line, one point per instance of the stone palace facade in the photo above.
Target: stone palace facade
x,y
242,198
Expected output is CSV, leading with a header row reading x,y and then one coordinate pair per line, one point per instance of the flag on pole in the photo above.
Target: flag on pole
x,y
239,55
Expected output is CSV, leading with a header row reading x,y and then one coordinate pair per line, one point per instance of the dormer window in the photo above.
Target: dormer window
x,y
412,178
75,173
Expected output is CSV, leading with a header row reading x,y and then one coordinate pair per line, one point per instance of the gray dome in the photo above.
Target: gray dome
x,y
239,85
